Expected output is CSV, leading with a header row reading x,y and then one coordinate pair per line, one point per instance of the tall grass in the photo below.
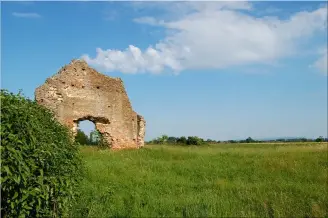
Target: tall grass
x,y
257,180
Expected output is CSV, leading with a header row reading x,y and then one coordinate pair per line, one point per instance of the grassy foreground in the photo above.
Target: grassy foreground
x,y
234,180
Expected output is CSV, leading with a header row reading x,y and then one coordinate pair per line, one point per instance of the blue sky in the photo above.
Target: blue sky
x,y
220,70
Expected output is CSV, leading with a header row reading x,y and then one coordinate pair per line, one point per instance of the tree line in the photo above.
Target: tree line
x,y
194,140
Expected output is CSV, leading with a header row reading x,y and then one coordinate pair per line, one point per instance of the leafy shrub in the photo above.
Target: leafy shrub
x,y
194,140
40,164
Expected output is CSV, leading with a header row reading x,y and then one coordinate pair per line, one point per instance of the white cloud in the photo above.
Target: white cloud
x,y
148,20
132,60
321,63
26,15
212,36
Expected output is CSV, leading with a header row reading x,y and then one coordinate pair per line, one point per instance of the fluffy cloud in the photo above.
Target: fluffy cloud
x,y
213,36
26,15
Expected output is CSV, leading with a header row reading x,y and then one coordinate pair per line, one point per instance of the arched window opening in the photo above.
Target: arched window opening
x,y
87,134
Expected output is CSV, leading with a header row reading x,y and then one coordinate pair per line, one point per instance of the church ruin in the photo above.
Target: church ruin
x,y
78,92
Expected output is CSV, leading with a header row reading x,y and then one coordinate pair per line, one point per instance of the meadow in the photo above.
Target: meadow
x,y
225,180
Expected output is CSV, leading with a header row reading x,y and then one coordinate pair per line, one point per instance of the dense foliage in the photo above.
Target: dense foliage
x,y
191,140
82,138
95,138
320,139
40,164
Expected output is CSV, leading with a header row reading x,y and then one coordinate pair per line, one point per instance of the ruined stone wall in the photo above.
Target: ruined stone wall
x,y
78,92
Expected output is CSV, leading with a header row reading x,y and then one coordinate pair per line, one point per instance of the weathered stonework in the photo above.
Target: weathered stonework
x,y
78,92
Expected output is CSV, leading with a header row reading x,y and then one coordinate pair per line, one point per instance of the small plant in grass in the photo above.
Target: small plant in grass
x,y
40,164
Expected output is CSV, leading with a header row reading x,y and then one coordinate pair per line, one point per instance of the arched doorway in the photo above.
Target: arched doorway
x,y
88,131
85,133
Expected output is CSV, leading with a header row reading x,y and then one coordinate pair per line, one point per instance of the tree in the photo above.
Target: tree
x,y
162,139
194,140
82,138
303,139
210,141
95,137
249,140
172,140
182,140
320,139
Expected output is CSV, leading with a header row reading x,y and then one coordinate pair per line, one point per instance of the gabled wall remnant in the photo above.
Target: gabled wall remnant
x,y
78,92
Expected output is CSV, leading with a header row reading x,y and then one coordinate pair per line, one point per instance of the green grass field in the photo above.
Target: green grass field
x,y
227,180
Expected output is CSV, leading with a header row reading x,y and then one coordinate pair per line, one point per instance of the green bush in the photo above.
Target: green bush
x,y
40,164
320,139
182,140
194,140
